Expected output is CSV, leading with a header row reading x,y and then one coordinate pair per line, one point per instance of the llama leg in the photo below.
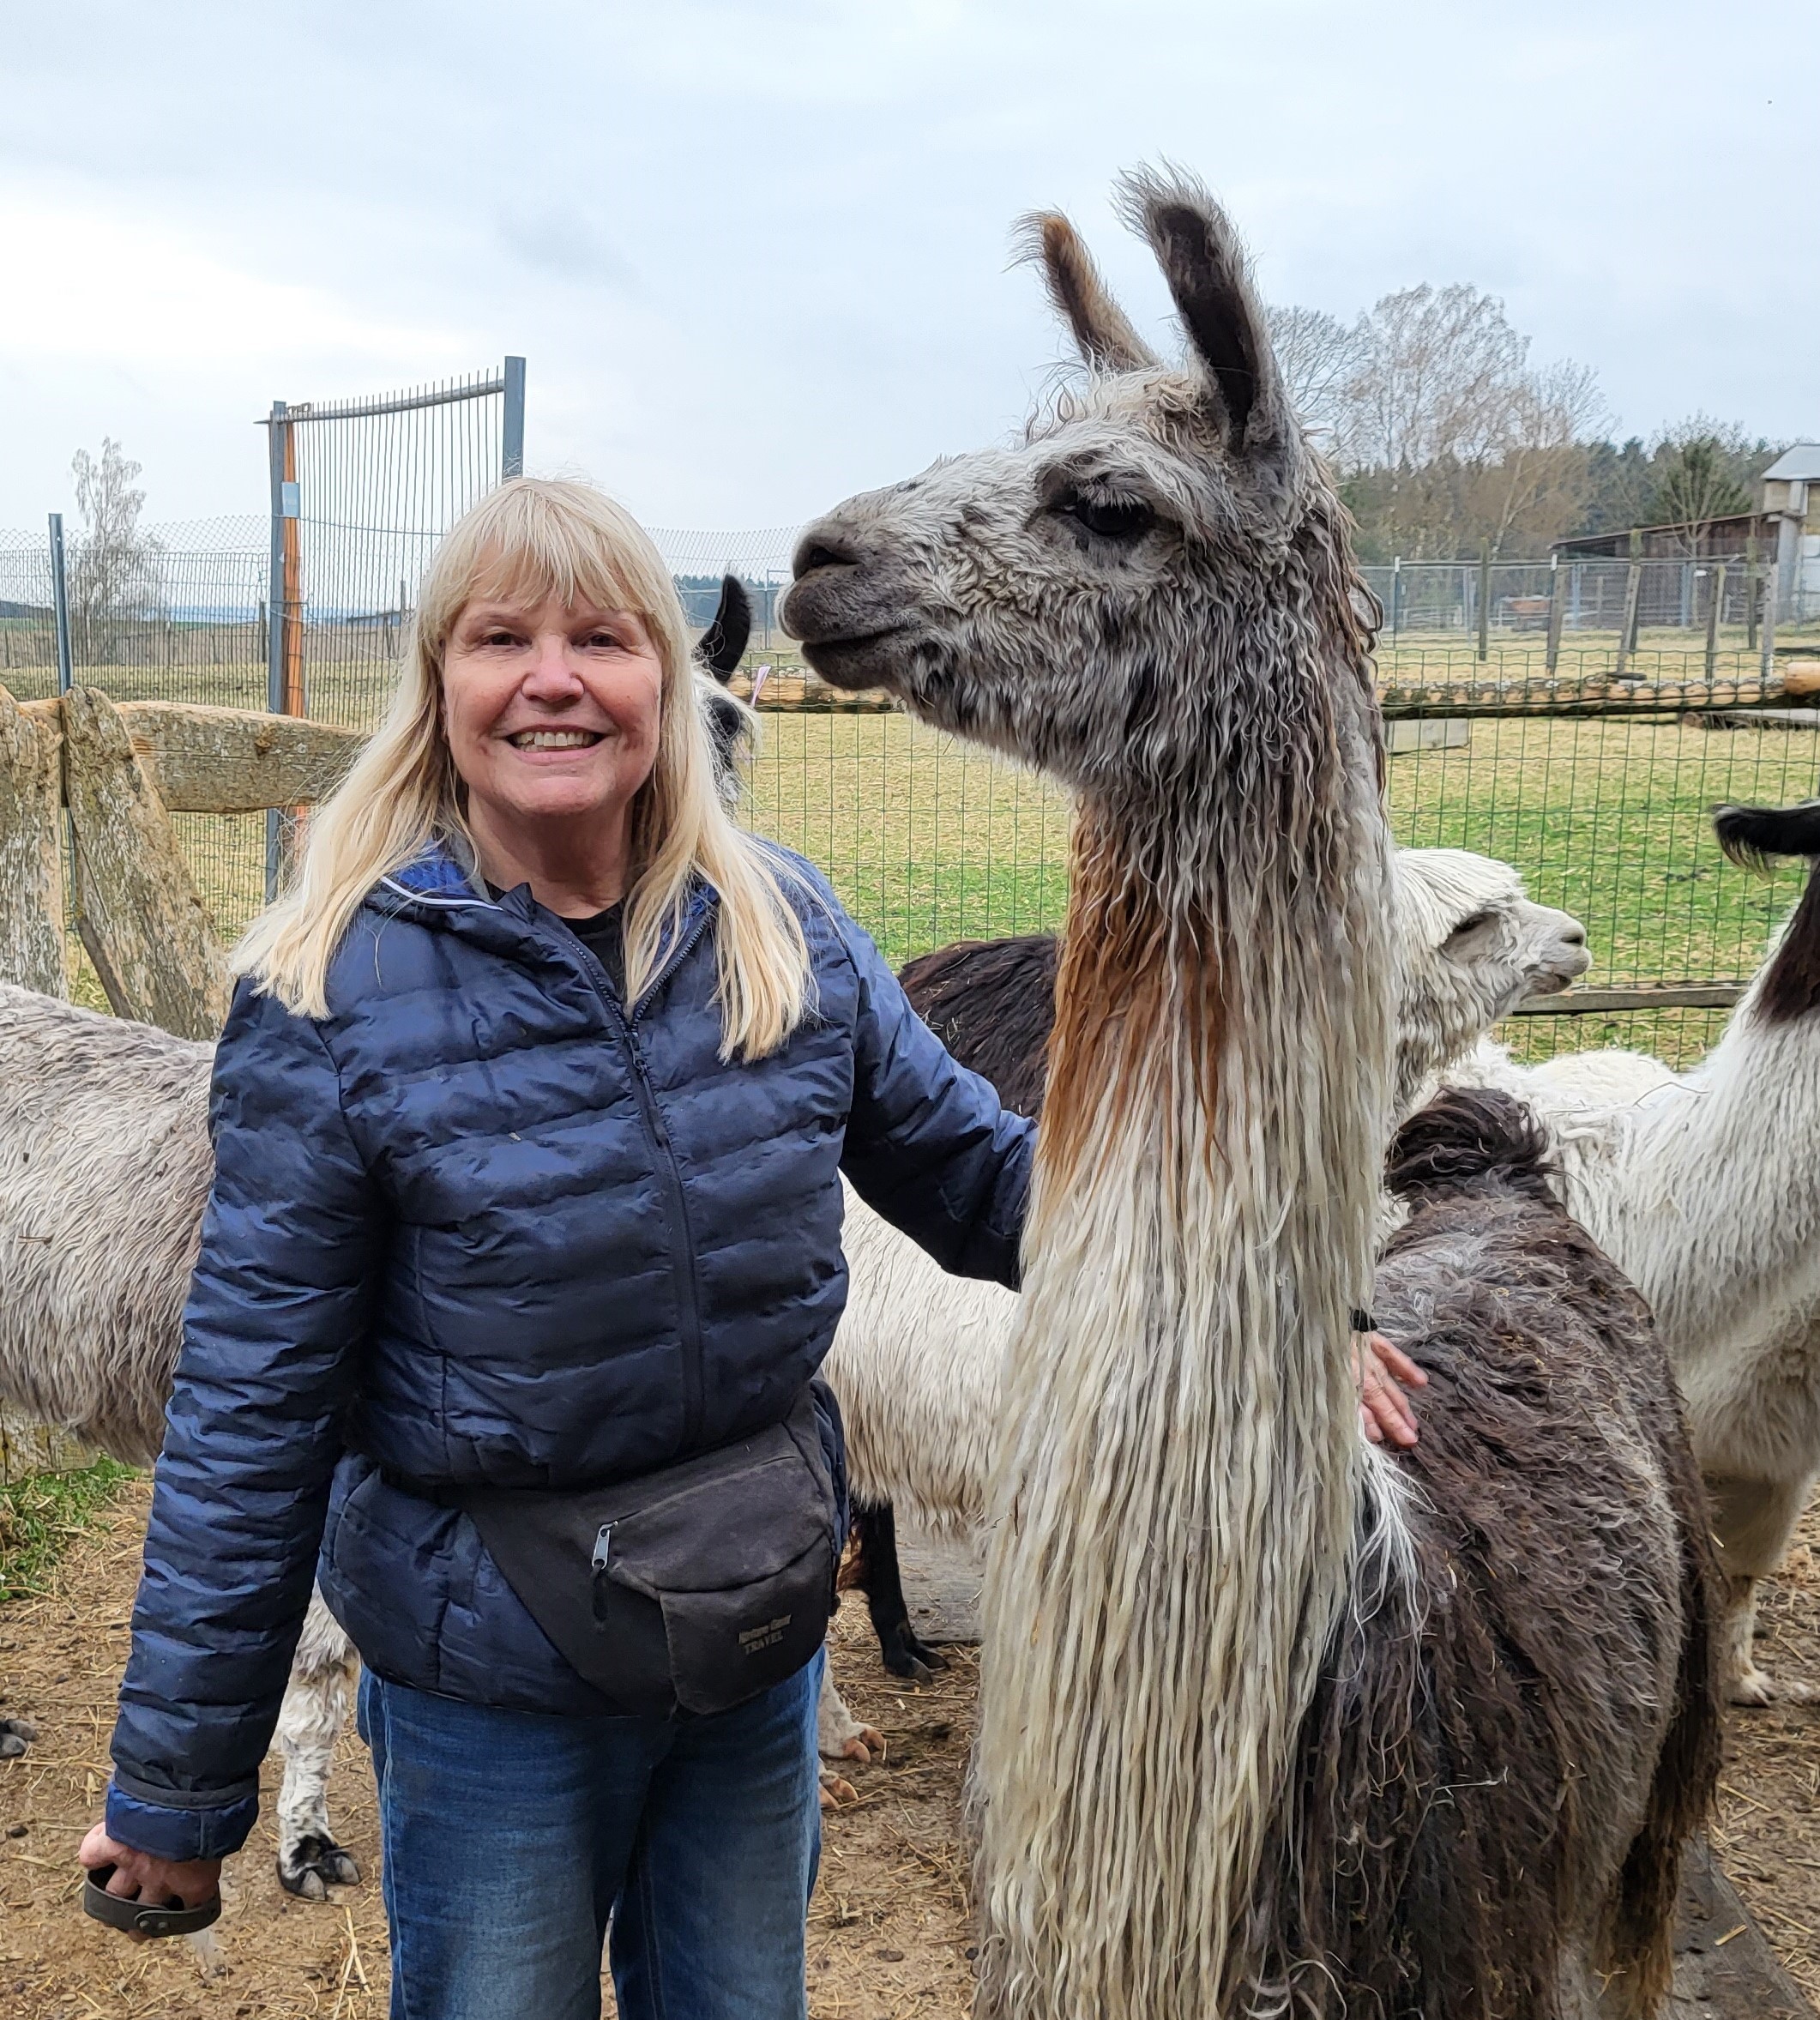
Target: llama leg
x,y
879,1576
840,1736
1744,1683
315,1709
1753,1520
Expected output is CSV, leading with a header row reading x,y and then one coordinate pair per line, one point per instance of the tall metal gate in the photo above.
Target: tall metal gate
x,y
361,492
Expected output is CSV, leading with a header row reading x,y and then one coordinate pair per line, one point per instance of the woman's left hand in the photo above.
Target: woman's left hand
x,y
1383,1407
139,1876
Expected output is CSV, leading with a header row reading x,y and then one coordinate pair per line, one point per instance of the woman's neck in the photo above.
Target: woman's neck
x,y
574,868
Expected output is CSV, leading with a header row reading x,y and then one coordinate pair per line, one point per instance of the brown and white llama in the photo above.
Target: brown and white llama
x,y
1199,1576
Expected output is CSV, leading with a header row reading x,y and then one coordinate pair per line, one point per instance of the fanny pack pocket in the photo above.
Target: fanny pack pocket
x,y
690,1590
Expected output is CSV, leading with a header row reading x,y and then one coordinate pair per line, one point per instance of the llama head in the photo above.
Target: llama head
x,y
1094,599
1472,948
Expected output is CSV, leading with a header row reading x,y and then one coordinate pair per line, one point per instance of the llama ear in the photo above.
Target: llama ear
x,y
1209,276
1104,335
719,647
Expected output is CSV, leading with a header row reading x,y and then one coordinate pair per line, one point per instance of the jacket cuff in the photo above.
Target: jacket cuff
x,y
166,1832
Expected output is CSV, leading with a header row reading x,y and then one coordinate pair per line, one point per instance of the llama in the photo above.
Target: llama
x,y
920,1392
1213,1770
104,1166
1686,1180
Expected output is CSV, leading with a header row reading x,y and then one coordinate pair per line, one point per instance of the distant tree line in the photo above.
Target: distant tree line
x,y
1444,434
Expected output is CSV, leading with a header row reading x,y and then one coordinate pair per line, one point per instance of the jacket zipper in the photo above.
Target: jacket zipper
x,y
682,1259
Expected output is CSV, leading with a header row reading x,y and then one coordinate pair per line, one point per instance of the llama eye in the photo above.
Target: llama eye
x,y
1113,519
1470,926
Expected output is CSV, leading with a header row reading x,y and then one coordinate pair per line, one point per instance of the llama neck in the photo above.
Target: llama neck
x,y
1177,1496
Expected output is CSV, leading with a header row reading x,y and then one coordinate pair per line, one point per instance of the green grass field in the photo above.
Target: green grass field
x,y
927,842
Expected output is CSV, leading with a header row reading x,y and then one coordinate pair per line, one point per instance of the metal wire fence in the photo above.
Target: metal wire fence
x,y
1607,815
1644,619
1605,810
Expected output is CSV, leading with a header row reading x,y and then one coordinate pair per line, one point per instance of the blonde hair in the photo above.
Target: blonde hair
x,y
535,538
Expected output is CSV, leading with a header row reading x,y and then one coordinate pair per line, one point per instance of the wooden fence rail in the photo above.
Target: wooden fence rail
x,y
120,769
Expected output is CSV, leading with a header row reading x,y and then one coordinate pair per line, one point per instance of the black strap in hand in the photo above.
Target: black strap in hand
x,y
143,1918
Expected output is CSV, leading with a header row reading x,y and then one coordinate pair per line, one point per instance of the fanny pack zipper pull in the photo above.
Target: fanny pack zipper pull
x,y
603,1551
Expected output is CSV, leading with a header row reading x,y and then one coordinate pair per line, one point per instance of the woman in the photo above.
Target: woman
x,y
529,1118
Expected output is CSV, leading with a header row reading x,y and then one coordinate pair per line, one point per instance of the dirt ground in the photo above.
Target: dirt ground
x,y
889,1934
887,1931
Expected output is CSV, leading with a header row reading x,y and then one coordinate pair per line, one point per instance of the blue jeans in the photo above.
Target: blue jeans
x,y
512,1840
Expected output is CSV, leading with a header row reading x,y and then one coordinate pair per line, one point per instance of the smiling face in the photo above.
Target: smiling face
x,y
551,713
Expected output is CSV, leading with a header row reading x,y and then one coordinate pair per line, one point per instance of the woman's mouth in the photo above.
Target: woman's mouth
x,y
554,739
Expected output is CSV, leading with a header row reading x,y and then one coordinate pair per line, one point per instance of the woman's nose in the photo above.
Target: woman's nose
x,y
553,676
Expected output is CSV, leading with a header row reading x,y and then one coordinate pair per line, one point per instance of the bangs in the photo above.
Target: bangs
x,y
529,542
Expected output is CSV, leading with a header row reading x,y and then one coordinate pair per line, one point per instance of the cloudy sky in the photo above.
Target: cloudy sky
x,y
756,255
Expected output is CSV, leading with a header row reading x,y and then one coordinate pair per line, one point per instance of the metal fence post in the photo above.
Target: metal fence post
x,y
276,626
512,427
60,601
1551,653
1484,599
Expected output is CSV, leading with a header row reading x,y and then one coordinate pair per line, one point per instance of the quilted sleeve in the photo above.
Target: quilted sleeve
x,y
292,1240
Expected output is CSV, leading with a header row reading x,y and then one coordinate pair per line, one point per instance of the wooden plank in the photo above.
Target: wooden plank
x,y
31,851
235,761
1581,1002
1725,1969
230,761
140,917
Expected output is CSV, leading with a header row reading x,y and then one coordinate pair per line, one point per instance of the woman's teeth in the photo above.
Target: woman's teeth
x,y
553,739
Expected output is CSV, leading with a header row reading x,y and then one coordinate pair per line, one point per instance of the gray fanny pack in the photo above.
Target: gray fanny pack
x,y
689,1590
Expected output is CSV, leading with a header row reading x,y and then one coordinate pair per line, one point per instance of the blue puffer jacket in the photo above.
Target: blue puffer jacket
x,y
482,1224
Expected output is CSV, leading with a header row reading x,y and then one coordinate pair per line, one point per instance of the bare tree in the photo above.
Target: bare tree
x,y
1316,354
1448,435
1432,380
114,573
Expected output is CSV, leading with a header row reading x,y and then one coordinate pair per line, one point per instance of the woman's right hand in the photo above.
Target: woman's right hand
x,y
137,1876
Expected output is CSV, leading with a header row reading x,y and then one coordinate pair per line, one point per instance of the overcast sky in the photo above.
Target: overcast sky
x,y
756,255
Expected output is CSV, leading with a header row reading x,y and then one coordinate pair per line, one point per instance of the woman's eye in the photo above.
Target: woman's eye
x,y
1113,519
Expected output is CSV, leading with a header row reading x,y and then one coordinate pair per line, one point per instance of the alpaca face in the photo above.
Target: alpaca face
x,y
1473,947
1089,599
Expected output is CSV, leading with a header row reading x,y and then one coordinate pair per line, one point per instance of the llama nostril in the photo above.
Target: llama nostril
x,y
1576,936
824,546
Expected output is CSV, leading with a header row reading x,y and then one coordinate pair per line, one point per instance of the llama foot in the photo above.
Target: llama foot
x,y
861,1745
313,1865
1756,1688
836,1790
904,1655
16,1735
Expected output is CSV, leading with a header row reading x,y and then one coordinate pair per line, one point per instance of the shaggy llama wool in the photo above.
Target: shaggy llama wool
x,y
1698,1185
917,1359
1152,597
